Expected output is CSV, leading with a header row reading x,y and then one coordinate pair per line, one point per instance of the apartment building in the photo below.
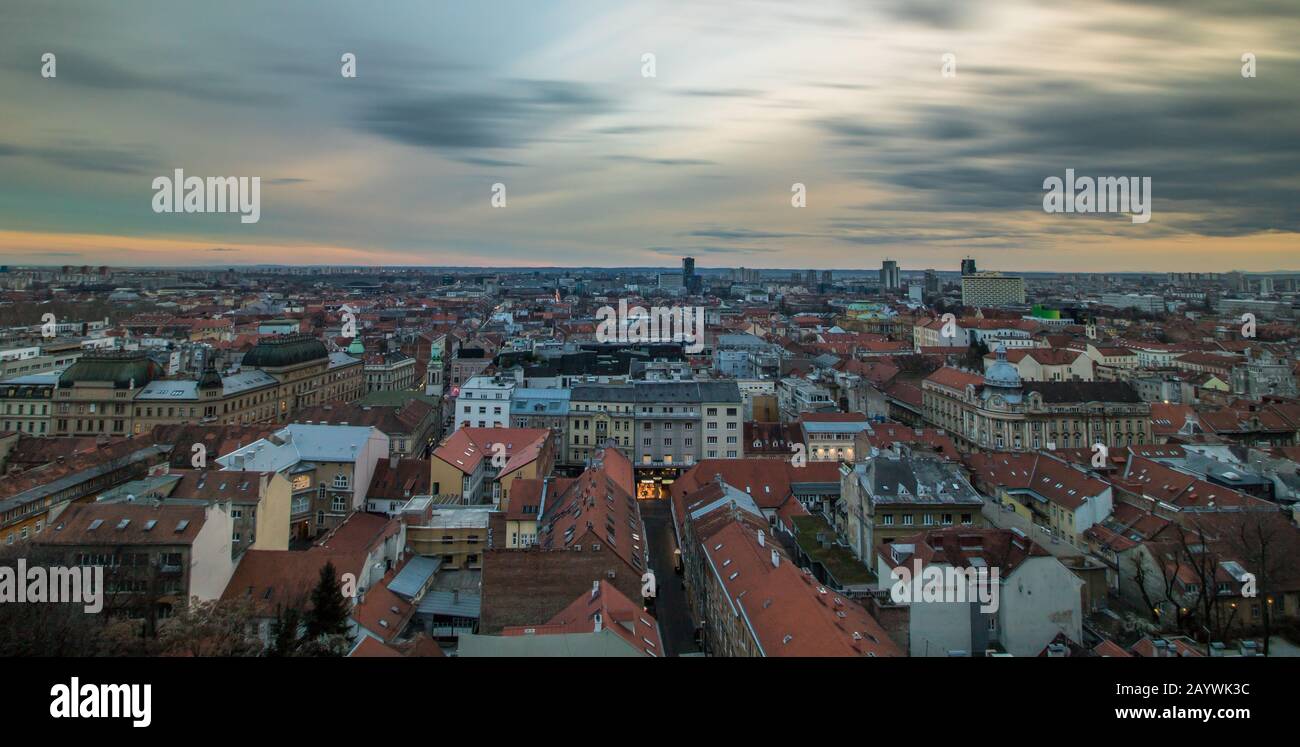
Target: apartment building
x,y
475,466
328,468
455,535
156,557
829,436
32,500
389,372
893,492
1038,598
751,599
662,424
484,402
1058,496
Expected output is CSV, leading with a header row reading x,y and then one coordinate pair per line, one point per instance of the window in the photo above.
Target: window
x,y
341,481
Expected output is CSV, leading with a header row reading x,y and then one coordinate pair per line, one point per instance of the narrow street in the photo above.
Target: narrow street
x,y
671,608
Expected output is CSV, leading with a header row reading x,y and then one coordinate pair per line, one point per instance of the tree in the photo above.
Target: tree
x,y
211,628
974,359
1266,544
327,621
285,640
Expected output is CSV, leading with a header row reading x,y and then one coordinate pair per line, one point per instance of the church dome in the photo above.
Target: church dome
x,y
1002,378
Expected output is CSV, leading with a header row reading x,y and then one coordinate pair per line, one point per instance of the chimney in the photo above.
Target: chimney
x,y
598,621
762,538
595,588
393,459
776,558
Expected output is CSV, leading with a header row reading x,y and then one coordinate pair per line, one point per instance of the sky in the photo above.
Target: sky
x,y
603,165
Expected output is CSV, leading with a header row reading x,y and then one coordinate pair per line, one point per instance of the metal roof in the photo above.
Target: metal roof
x,y
414,576
451,604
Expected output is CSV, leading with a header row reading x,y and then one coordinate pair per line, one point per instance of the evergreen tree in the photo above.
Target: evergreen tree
x,y
284,634
329,612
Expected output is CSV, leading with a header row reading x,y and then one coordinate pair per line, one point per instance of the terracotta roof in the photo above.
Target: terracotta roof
x,y
599,507
960,546
789,612
214,486
409,478
955,378
126,524
1054,479
382,612
1166,484
885,435
465,448
618,614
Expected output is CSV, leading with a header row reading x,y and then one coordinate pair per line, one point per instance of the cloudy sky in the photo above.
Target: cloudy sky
x,y
606,167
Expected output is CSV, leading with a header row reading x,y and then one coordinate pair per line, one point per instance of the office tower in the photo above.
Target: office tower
x,y
889,276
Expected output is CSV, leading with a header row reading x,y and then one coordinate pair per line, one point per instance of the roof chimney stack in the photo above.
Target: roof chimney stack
x,y
776,558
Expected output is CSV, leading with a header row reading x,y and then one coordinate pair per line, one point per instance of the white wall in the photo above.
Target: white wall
x,y
210,563
1040,599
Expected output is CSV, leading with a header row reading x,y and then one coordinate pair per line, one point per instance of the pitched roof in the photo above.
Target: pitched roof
x,y
1041,473
600,506
787,610
465,448
617,613
964,547
126,524
955,378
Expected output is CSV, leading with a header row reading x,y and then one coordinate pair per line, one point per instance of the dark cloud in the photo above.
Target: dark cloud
x,y
940,14
720,93
661,161
1223,149
738,234
85,157
516,114
679,251
490,162
76,68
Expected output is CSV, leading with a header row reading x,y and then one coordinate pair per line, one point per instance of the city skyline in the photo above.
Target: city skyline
x,y
604,166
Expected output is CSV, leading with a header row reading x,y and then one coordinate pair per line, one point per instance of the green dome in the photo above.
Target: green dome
x,y
356,348
284,350
123,369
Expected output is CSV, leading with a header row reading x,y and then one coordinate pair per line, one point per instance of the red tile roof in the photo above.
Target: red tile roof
x,y
788,611
618,614
955,378
465,448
